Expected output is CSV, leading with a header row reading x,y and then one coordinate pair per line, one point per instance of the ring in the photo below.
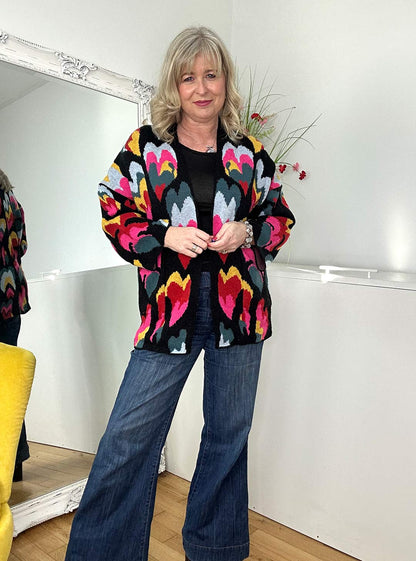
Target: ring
x,y
194,247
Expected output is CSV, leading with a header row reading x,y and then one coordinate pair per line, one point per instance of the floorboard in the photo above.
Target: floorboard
x,y
270,541
47,469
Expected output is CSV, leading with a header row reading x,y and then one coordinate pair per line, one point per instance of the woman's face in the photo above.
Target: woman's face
x,y
202,92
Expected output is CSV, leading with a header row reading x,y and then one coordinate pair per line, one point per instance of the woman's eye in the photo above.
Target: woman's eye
x,y
211,76
187,79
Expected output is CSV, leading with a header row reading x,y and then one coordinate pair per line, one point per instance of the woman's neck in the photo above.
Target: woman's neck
x,y
198,136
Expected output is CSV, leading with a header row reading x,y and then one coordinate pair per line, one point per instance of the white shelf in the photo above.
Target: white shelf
x,y
380,279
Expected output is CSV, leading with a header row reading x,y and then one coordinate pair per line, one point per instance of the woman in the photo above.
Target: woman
x,y
13,286
192,203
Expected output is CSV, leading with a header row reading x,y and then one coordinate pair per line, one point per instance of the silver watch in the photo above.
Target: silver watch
x,y
249,234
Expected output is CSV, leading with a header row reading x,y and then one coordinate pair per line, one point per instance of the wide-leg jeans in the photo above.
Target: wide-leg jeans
x,y
114,517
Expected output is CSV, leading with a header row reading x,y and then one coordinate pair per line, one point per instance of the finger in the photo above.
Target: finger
x,y
195,248
199,233
219,235
203,235
217,242
189,253
227,227
219,245
203,244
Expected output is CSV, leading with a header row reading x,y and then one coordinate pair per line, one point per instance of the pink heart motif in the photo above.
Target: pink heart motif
x,y
161,164
238,162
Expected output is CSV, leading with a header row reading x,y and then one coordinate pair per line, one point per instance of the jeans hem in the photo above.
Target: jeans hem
x,y
226,553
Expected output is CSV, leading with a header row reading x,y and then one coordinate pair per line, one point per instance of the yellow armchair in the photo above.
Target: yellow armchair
x,y
17,368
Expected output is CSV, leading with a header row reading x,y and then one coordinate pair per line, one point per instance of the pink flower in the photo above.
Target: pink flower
x,y
302,175
296,166
282,168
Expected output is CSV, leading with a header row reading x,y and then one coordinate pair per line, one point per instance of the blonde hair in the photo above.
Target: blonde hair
x,y
4,182
165,106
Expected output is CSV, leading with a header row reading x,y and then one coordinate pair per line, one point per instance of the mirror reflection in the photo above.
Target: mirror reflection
x,y
57,140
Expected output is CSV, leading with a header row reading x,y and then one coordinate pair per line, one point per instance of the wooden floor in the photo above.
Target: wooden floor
x,y
47,469
270,541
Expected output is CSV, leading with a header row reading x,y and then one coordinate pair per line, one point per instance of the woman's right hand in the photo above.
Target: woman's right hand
x,y
187,240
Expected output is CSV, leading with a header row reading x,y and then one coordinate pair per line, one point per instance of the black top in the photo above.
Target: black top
x,y
201,172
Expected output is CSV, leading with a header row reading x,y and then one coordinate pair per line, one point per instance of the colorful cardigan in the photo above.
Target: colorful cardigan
x,y
13,286
147,190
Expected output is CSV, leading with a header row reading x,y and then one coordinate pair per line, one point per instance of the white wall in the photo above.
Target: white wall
x,y
57,144
130,38
81,330
353,61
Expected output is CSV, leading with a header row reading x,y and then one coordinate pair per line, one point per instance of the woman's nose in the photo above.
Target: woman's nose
x,y
201,86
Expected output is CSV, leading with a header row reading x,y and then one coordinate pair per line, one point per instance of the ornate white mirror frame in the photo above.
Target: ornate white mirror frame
x,y
18,51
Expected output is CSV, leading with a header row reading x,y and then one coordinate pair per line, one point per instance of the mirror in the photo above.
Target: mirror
x,y
58,141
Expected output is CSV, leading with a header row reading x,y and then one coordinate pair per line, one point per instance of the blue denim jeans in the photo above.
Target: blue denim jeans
x,y
114,517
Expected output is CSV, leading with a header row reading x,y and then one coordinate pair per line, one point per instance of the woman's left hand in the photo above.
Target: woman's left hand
x,y
230,237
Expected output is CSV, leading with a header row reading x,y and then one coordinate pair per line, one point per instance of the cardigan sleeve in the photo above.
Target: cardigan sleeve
x,y
126,209
17,243
21,230
272,220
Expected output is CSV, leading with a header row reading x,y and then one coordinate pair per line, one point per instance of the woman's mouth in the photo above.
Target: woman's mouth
x,y
203,102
